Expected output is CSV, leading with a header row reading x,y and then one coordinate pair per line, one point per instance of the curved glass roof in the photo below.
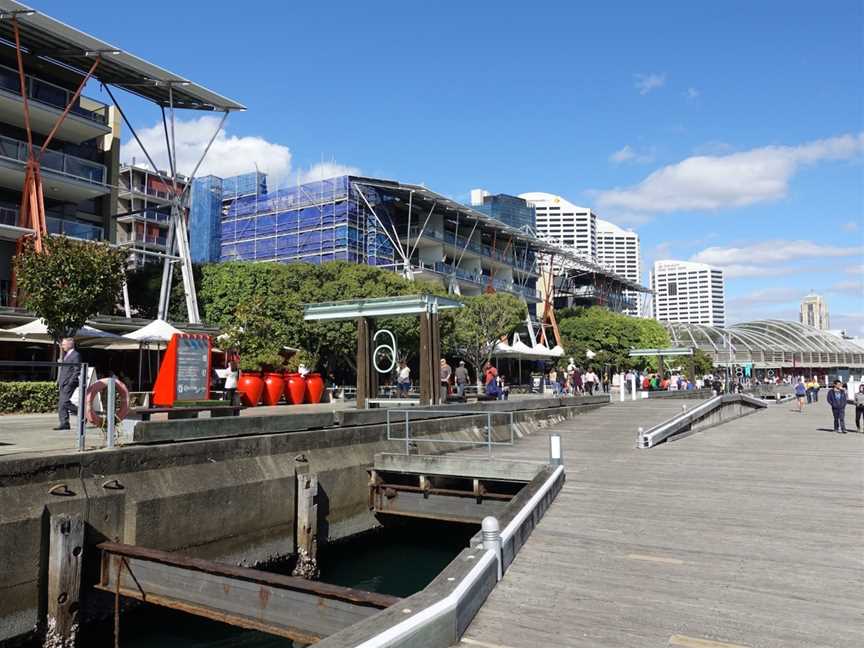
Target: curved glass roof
x,y
769,343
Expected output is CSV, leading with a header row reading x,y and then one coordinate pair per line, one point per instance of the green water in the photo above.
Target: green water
x,y
397,561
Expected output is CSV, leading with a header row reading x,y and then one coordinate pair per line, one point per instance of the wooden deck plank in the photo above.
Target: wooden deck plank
x,y
753,534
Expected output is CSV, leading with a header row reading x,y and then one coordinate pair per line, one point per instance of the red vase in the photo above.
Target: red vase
x,y
273,386
251,386
314,388
295,388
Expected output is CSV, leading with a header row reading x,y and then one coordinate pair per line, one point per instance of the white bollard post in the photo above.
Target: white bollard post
x,y
112,408
633,386
492,539
556,458
623,383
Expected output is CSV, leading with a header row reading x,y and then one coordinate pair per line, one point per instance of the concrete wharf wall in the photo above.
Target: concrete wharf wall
x,y
230,499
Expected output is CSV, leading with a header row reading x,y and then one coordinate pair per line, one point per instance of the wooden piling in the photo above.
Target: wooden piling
x,y
306,522
65,553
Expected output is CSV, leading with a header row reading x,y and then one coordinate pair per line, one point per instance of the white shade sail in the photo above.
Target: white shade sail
x,y
37,331
156,331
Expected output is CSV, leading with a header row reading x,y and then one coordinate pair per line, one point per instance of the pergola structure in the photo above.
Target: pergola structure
x,y
37,36
365,311
661,354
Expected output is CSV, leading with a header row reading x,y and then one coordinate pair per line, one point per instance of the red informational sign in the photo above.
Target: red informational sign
x,y
184,374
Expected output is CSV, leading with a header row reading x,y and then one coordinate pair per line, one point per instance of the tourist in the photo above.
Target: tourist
x,y
605,382
800,393
590,382
576,380
816,388
445,373
837,398
628,377
403,379
490,380
503,388
232,375
67,382
461,378
553,380
859,407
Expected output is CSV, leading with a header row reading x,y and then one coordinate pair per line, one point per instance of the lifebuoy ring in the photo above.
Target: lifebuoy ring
x,y
121,393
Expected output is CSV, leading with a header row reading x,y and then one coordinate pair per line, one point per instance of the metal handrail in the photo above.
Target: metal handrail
x,y
488,443
55,161
12,85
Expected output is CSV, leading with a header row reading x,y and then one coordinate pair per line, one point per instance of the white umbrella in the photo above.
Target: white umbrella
x,y
557,351
37,331
156,331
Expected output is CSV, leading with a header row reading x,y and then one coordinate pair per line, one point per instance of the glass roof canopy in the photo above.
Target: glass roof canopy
x,y
769,344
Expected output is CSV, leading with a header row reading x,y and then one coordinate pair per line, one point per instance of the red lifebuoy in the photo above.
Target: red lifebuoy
x,y
121,393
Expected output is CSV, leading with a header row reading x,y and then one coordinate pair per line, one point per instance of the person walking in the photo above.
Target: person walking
x,y
553,380
67,382
800,393
590,382
859,407
461,378
606,382
231,378
403,379
445,371
490,380
837,398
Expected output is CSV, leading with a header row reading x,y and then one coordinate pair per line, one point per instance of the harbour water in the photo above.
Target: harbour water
x,y
397,560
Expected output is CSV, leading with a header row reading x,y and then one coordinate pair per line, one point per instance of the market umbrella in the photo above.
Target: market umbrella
x,y
37,331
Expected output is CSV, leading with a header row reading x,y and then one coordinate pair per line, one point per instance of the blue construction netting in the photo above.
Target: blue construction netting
x,y
313,222
205,211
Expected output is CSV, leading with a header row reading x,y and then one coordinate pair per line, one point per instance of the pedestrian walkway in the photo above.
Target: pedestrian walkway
x,y
748,534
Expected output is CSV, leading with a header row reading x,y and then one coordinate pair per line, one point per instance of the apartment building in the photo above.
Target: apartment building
x,y
688,293
561,222
618,250
814,312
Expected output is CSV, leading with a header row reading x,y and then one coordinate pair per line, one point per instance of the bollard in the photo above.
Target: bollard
x,y
82,406
639,432
633,386
555,455
623,382
112,410
492,538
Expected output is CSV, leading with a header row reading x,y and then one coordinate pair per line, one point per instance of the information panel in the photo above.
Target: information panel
x,y
193,368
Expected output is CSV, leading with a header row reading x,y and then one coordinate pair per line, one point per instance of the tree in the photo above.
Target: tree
x,y
702,362
257,334
609,335
476,328
69,282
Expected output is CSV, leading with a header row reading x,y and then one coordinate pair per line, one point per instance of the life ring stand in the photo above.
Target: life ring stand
x,y
121,393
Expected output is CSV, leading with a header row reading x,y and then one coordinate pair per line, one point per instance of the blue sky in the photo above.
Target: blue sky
x,y
729,132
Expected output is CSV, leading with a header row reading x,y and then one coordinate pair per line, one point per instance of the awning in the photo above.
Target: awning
x,y
54,41
37,331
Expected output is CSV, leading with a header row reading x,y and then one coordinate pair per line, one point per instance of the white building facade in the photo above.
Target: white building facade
x,y
618,250
561,222
688,293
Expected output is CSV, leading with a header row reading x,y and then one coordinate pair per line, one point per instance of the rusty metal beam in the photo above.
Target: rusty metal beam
x,y
286,606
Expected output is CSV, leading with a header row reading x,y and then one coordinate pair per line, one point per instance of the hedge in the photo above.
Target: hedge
x,y
28,397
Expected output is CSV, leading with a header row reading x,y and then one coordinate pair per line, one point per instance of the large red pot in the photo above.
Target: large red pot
x,y
314,388
250,385
295,388
273,386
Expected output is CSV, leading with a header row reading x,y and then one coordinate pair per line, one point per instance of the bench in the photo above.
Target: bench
x,y
144,413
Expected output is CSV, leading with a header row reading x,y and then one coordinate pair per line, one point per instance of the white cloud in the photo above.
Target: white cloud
x,y
706,182
645,83
628,154
692,94
770,253
229,155
780,295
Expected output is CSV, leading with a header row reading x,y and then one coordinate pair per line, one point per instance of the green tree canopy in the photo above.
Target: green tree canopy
x,y
473,331
69,282
609,335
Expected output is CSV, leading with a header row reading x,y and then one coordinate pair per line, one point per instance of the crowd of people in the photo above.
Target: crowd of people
x,y
838,399
576,380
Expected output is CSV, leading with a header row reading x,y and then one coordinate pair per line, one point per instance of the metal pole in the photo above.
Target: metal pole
x,y
112,397
82,404
623,382
633,386
489,433
407,438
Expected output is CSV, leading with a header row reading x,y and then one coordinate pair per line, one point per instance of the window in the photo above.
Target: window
x,y
672,289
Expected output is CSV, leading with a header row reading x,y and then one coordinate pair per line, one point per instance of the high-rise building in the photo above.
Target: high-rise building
x,y
205,219
618,250
510,210
560,221
143,213
688,293
814,312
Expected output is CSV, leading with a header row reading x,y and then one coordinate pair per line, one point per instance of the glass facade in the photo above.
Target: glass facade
x,y
510,210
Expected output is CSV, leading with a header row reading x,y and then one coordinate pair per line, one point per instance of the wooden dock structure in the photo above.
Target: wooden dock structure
x,y
750,534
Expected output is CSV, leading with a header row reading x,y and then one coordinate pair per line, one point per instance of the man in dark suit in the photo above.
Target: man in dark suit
x,y
67,381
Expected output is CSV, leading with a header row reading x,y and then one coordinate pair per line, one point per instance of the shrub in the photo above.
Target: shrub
x,y
28,397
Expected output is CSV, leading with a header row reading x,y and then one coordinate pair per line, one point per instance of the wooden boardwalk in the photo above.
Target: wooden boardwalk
x,y
749,534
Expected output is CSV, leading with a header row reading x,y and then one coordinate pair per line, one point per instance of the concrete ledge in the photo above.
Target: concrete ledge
x,y
211,428
681,394
713,412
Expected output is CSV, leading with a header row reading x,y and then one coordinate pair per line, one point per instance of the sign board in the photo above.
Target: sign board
x,y
184,374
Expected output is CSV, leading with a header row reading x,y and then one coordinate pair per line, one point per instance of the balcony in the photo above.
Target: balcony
x,y
139,240
154,216
64,177
463,243
136,189
448,270
9,230
87,118
74,229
